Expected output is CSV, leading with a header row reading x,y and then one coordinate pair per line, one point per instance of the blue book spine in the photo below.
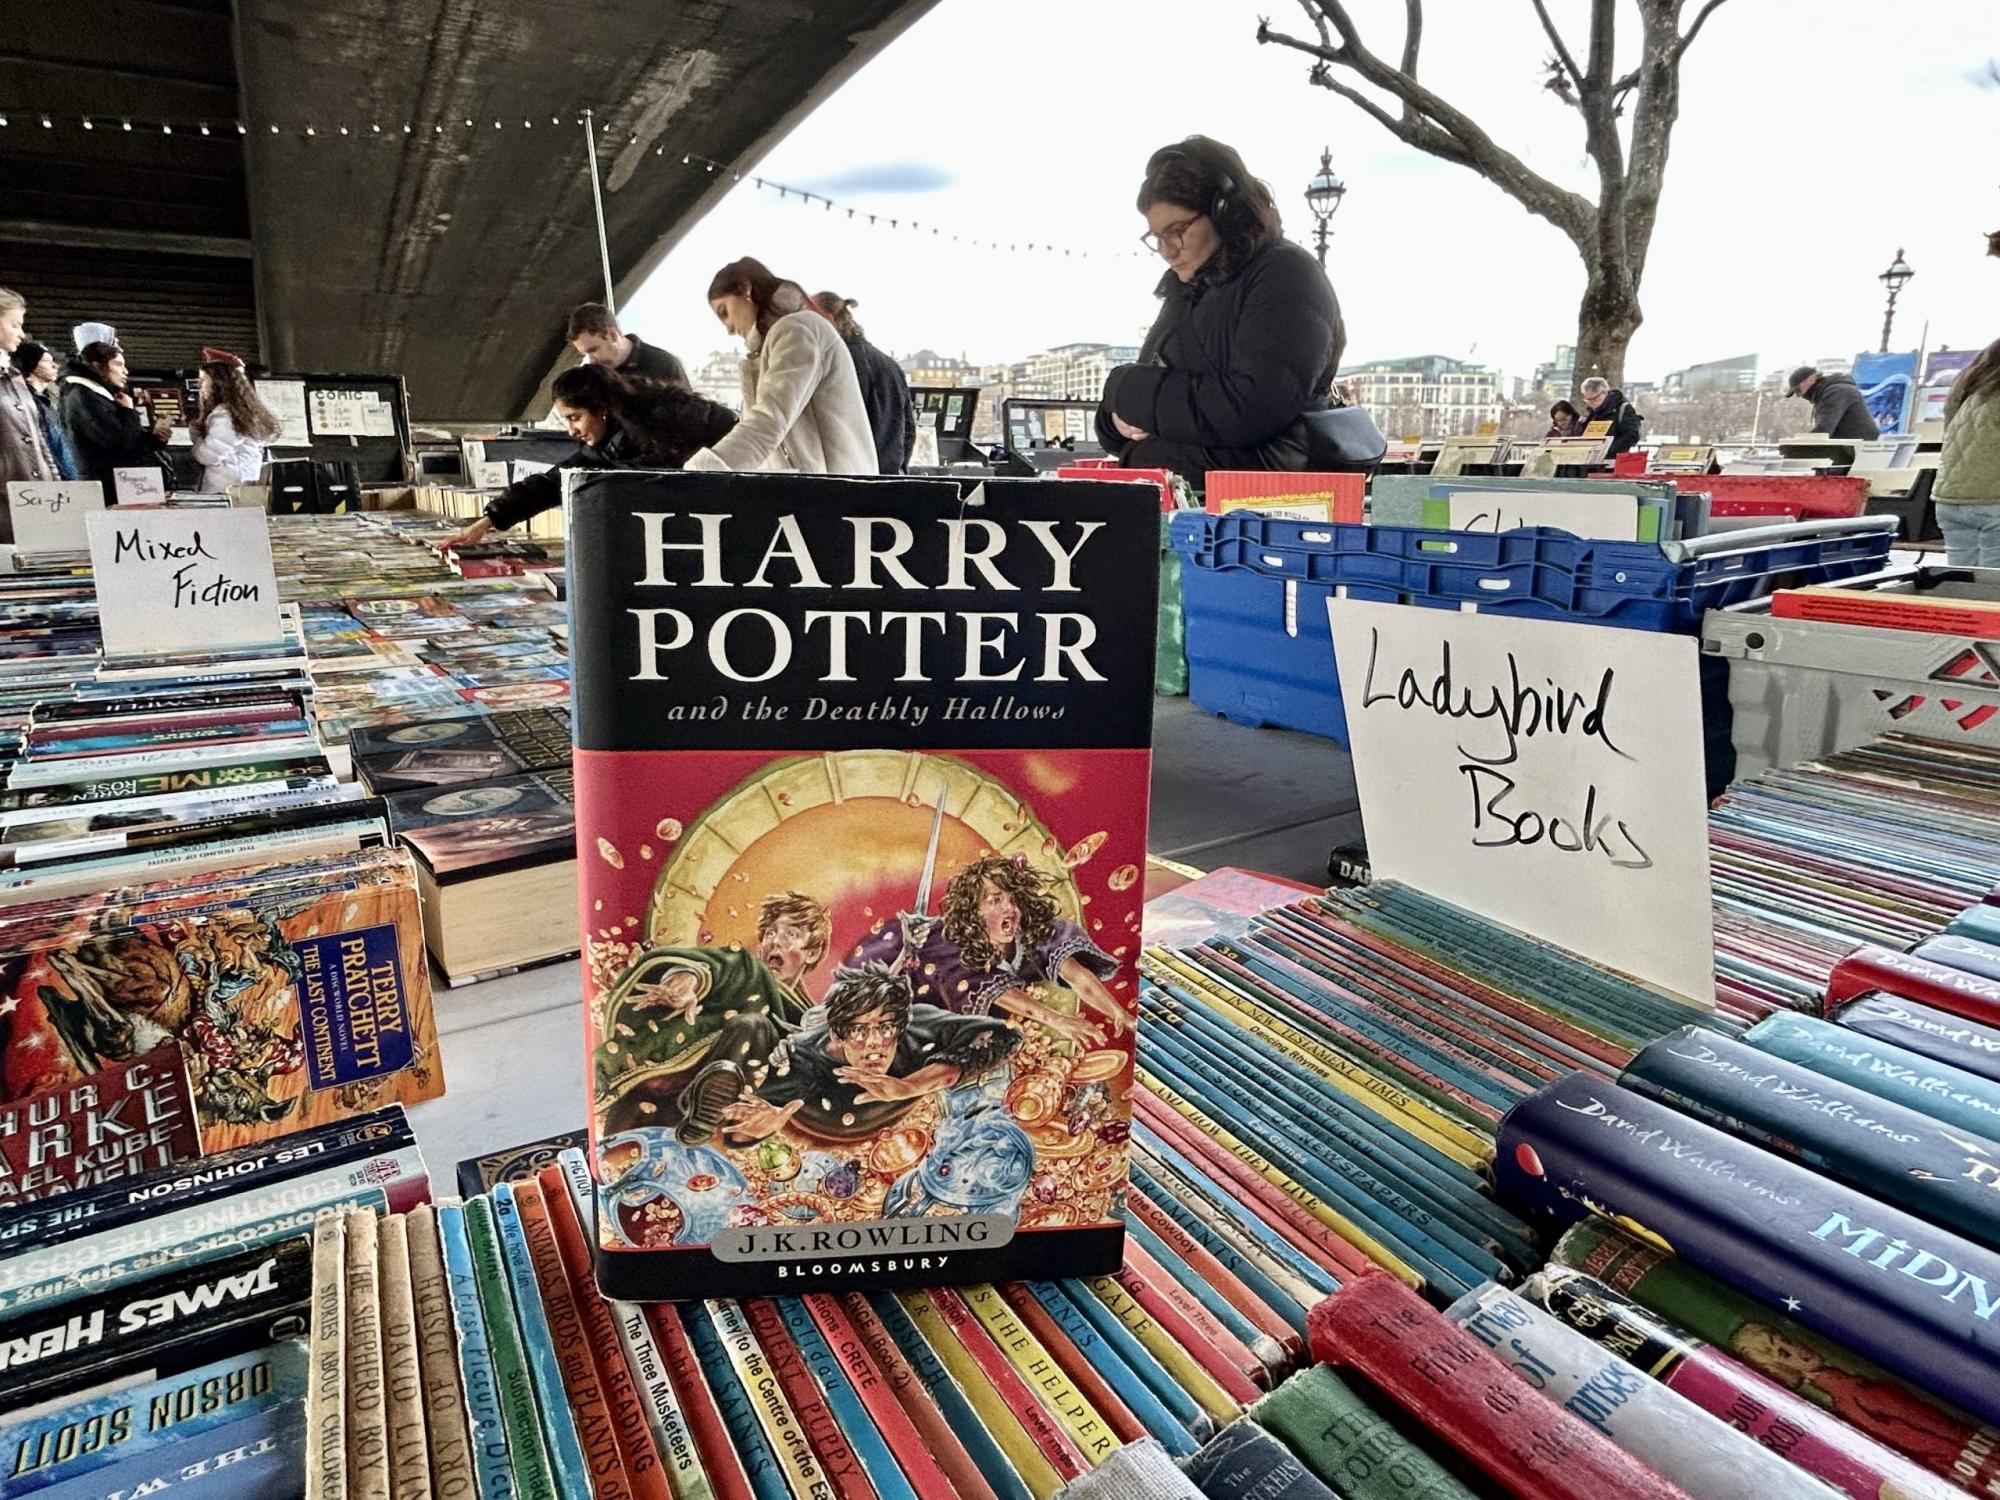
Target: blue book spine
x,y
1974,955
1937,1034
1244,1462
1835,1125
475,1360
746,1434
1138,1396
1252,1275
558,1422
1916,1299
1198,1287
85,1437
259,1457
1171,1393
1930,1088
979,1444
844,1402
1275,1244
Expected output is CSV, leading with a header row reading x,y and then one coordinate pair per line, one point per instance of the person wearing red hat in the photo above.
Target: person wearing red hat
x,y
232,425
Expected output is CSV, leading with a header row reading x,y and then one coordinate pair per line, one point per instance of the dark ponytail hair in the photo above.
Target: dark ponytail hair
x,y
594,388
96,357
771,295
1206,177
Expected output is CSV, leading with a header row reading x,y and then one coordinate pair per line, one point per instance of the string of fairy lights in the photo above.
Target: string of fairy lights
x,y
459,129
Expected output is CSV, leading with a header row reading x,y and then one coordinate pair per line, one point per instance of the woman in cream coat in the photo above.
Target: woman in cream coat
x,y
802,407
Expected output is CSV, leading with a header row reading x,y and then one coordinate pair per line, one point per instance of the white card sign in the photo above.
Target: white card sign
x,y
1611,518
1546,775
184,580
336,413
287,400
49,517
491,474
140,485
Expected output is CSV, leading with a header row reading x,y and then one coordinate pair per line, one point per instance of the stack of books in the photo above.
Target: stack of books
x,y
155,1326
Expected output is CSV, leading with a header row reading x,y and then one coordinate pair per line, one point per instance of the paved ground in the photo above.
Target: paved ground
x,y
1261,799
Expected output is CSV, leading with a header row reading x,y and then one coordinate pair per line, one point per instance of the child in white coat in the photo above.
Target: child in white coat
x,y
233,426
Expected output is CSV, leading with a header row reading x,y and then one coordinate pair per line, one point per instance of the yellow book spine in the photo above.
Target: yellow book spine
x,y
1044,1375
1184,1367
1338,1222
774,1413
1455,1139
1036,1472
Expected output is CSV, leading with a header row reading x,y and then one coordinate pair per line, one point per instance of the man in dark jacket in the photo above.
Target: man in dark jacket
x,y
594,333
1606,403
885,390
1839,408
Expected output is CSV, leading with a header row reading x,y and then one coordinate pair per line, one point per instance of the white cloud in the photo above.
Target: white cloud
x,y
1815,139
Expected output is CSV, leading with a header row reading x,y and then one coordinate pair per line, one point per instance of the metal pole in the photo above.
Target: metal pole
x,y
597,199
1319,239
1888,321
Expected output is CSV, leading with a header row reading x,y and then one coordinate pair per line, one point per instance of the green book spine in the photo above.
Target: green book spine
x,y
1349,1446
533,1477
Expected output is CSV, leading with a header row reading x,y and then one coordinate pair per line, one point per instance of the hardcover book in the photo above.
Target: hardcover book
x,y
860,874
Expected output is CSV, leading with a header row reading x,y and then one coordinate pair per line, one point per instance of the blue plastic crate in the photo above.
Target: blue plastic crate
x,y
1537,572
1259,651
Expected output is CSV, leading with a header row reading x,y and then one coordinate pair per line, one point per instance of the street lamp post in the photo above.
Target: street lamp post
x,y
1895,279
1323,195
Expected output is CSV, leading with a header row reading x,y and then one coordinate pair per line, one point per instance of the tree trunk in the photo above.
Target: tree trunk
x,y
1606,321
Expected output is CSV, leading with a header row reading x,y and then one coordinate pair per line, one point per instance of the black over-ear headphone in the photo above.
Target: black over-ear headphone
x,y
1222,207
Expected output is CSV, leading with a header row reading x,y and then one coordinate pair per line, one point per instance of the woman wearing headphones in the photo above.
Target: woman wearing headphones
x,y
1249,333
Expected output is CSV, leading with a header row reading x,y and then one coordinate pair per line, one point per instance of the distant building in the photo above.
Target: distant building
x,y
1075,372
1558,376
928,367
1738,374
720,378
1431,394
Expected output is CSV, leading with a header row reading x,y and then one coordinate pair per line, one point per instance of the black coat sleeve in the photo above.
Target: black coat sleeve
x,y
106,435
1625,430
1277,351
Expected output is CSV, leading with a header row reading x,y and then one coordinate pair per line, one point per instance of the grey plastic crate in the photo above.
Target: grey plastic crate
x,y
1799,689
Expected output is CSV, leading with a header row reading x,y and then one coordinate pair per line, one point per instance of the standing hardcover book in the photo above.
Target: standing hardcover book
x,y
402,1369
326,1393
446,1427
861,812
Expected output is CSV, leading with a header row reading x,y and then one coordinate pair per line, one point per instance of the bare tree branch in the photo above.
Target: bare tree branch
x,y
1694,27
1432,124
1413,34
1563,54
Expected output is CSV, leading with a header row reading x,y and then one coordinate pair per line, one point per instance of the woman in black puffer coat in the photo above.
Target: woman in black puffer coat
x,y
1249,333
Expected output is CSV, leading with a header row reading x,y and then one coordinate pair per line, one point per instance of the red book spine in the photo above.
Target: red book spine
x,y
830,1446
1056,1445
635,1440
1921,979
1537,1022
595,1428
908,1390
1062,1348
1530,1447
920,1466
1203,1262
1314,1239
1214,1347
711,1439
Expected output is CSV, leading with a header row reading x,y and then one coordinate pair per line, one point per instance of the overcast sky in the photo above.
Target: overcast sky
x,y
1816,137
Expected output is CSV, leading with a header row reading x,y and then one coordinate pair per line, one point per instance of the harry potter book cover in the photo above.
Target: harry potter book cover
x,y
861,782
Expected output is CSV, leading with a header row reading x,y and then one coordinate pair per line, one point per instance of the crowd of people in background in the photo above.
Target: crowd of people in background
x,y
1237,372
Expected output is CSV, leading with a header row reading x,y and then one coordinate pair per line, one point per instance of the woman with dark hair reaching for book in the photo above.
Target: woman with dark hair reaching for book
x,y
1249,333
618,423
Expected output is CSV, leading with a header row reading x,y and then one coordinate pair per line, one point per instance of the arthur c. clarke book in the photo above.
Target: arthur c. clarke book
x,y
861,789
